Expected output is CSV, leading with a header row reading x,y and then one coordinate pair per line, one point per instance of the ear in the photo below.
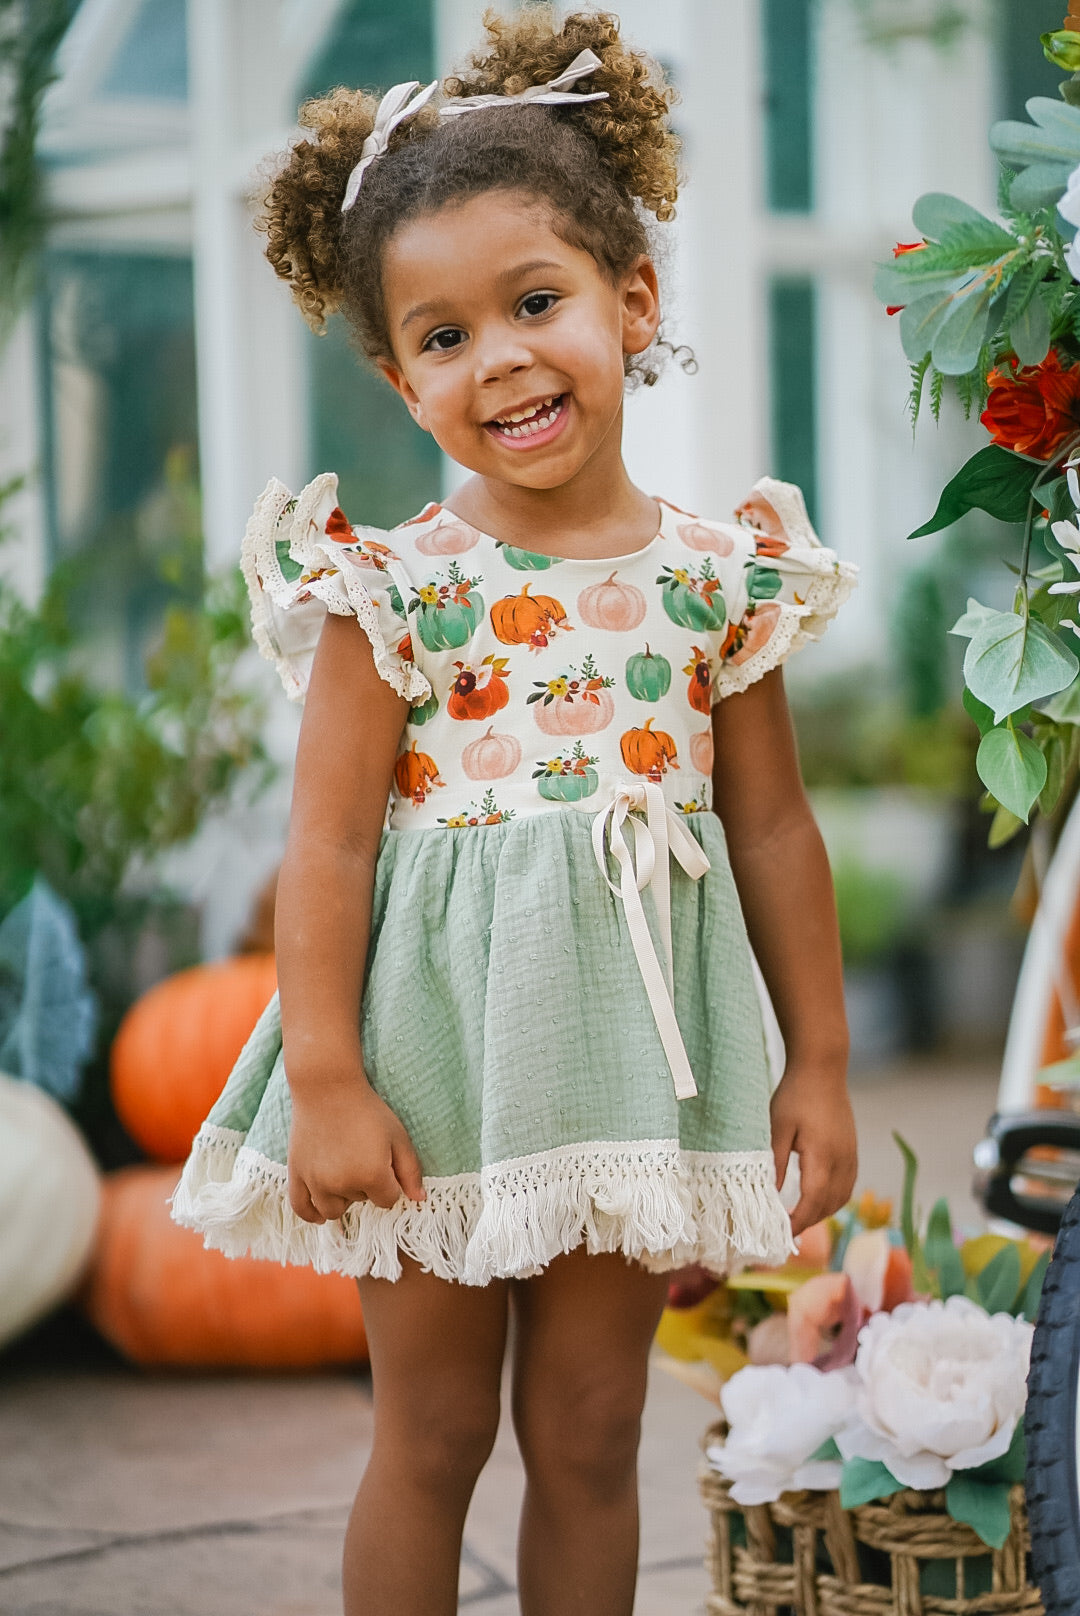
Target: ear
x,y
397,381
640,306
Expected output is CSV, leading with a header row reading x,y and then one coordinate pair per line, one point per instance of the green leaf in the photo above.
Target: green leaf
x,y
941,1253
955,349
936,212
984,1506
922,319
905,280
907,1194
865,1479
827,1450
1003,827
1065,706
1042,185
999,1281
1029,332
1054,751
1024,285
1012,768
976,710
972,620
1011,1465
1033,1293
993,480
1053,137
1011,661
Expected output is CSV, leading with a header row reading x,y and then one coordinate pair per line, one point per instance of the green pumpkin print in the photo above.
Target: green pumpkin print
x,y
447,610
648,675
763,583
692,597
568,778
525,560
424,710
290,569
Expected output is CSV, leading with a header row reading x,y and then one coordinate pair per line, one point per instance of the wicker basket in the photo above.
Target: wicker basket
x,y
902,1556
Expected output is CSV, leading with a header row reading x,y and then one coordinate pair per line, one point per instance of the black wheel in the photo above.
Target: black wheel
x,y
1053,1496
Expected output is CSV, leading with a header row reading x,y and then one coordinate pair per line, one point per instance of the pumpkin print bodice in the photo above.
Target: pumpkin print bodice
x,y
538,683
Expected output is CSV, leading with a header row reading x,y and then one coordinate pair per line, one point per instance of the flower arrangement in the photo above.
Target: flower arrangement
x,y
878,1358
991,307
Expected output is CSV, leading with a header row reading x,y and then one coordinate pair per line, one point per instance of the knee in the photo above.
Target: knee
x,y
583,1434
442,1440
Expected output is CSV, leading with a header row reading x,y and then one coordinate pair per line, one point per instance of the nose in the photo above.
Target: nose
x,y
500,350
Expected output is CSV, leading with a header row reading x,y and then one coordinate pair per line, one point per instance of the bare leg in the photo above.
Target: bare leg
x,y
581,1346
436,1361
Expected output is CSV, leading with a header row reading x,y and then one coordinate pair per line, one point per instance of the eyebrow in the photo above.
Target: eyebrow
x,y
504,278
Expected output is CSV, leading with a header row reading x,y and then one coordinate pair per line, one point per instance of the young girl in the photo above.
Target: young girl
x,y
519,1063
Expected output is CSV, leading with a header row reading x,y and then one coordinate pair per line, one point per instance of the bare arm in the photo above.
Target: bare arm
x,y
785,888
345,1143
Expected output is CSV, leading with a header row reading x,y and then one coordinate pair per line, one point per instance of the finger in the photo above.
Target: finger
x,y
819,1195
301,1202
407,1169
783,1138
384,1191
329,1206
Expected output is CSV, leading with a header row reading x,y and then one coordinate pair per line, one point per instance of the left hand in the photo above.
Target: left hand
x,y
811,1114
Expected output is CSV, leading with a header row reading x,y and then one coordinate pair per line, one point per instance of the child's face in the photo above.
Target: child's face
x,y
492,315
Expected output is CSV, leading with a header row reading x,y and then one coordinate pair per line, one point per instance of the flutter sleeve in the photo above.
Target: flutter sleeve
x,y
789,587
301,559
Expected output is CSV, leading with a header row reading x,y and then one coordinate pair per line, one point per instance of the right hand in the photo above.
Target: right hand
x,y
347,1145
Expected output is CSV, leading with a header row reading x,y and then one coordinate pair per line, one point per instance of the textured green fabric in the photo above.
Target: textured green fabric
x,y
504,1012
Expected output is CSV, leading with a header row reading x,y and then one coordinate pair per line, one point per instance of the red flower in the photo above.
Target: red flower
x,y
898,251
1035,409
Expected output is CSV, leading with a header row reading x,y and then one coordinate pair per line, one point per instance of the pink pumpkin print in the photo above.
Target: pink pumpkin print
x,y
759,627
492,757
701,751
612,605
770,534
450,537
699,536
574,703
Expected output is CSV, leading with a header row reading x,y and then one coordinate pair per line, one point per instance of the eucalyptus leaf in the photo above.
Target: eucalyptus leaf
x,y
984,1506
972,620
959,339
1064,708
47,1011
1053,136
976,710
1029,333
936,212
1012,769
921,321
898,283
1003,827
999,1281
863,1480
994,481
1040,186
1011,660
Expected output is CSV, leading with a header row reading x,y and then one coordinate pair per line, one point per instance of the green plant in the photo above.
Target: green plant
x,y
872,908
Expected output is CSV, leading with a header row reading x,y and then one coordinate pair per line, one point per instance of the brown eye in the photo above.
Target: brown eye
x,y
538,303
443,341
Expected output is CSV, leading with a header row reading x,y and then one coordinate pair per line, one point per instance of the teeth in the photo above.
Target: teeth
x,y
524,415
531,422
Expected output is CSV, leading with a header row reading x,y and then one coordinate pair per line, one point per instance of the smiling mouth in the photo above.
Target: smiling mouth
x,y
530,422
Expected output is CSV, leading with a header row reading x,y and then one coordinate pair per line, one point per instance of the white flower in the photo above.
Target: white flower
x,y
1068,536
941,1388
778,1417
1069,208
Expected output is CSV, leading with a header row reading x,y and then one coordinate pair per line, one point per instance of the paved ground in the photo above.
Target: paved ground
x,y
124,1494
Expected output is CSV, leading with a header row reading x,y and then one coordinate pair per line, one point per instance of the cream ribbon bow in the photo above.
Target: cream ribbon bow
x,y
657,837
552,94
393,109
402,102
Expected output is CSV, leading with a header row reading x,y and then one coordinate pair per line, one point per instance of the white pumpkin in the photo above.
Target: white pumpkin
x,y
50,1192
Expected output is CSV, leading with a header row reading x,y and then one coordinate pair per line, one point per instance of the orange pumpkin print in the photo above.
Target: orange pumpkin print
x,y
415,774
649,752
478,692
337,527
526,619
699,691
405,648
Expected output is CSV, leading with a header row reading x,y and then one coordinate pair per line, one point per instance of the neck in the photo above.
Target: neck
x,y
598,511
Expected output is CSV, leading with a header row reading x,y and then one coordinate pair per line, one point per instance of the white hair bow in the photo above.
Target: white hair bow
x,y
396,106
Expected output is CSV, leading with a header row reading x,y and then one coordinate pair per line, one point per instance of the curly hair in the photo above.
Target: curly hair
x,y
598,168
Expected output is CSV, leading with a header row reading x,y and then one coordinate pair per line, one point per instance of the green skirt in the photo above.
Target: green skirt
x,y
506,1023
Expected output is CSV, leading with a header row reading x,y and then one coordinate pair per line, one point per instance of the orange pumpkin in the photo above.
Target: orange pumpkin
x,y
415,774
478,692
699,691
612,605
701,751
648,751
697,536
159,1297
759,626
492,757
177,1045
337,527
526,619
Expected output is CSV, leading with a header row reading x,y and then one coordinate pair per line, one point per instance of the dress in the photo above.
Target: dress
x,y
517,1011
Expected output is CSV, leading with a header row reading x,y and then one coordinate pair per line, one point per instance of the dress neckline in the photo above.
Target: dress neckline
x,y
581,561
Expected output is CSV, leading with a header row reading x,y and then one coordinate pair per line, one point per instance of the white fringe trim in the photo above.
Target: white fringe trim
x,y
662,1206
274,598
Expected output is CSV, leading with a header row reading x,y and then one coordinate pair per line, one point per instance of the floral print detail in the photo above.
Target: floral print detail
x,y
699,691
692,596
447,610
649,752
525,619
479,692
696,805
573,703
488,813
569,777
751,632
415,775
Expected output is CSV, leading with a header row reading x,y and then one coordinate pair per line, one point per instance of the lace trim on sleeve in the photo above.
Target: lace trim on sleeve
x,y
798,624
